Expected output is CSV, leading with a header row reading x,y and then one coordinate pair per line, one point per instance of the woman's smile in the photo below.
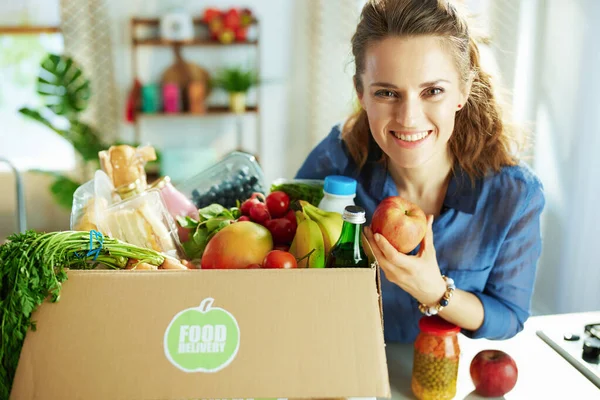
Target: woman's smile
x,y
411,139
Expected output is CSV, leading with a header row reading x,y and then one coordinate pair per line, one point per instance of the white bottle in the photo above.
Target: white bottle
x,y
338,192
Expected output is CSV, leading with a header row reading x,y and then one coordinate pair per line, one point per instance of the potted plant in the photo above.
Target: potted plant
x,y
66,93
237,82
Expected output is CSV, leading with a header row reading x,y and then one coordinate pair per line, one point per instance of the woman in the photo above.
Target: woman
x,y
430,130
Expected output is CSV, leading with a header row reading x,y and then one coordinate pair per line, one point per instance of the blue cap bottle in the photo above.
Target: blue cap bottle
x,y
338,192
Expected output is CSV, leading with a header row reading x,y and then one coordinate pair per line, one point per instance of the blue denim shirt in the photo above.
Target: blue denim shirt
x,y
487,238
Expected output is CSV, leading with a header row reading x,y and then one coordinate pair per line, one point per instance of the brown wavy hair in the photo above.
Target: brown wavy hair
x,y
482,140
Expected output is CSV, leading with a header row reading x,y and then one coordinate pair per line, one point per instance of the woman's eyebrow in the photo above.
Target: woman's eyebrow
x,y
433,83
422,85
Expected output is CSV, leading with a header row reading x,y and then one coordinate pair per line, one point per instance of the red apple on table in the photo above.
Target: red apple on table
x,y
401,222
494,373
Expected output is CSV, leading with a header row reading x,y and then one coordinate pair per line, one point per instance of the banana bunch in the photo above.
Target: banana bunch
x,y
317,230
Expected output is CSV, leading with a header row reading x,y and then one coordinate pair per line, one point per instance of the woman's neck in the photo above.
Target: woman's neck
x,y
425,185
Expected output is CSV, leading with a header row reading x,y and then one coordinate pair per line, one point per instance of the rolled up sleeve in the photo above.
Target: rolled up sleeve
x,y
507,295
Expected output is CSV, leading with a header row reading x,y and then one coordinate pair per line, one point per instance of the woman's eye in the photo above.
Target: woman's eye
x,y
434,91
385,93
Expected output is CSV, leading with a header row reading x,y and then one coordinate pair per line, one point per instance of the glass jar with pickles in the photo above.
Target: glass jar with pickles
x,y
435,362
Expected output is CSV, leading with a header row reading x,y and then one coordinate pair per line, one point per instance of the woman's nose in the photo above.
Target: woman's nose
x,y
408,113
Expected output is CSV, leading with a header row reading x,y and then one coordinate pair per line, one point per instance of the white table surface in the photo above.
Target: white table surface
x,y
543,373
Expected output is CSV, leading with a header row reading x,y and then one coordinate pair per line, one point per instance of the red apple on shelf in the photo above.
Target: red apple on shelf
x,y
210,14
401,222
494,373
241,34
232,18
215,27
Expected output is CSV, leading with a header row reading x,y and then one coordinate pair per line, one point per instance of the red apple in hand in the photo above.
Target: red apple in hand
x,y
494,373
401,222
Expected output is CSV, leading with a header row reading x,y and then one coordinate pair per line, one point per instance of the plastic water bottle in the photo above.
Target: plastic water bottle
x,y
338,192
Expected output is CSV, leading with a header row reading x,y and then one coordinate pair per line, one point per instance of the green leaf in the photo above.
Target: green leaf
x,y
216,224
84,138
235,211
63,190
212,211
63,86
187,222
194,247
235,80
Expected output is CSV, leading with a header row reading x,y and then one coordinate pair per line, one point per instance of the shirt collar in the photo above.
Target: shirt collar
x,y
462,195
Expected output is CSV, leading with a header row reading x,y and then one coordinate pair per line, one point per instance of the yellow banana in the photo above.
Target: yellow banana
x,y
330,223
308,238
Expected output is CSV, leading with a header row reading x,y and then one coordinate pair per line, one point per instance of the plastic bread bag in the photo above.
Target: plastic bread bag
x,y
144,221
89,202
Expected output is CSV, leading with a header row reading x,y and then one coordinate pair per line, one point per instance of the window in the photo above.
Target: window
x,y
26,143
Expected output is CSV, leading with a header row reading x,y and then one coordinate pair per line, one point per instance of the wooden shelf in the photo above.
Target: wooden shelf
x,y
156,21
28,30
212,111
195,42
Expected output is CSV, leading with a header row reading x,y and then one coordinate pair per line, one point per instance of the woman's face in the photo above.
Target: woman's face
x,y
411,93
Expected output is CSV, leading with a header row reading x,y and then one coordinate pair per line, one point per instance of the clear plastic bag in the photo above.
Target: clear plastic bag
x,y
143,221
89,202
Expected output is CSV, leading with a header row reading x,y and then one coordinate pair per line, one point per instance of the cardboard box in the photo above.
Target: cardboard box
x,y
305,333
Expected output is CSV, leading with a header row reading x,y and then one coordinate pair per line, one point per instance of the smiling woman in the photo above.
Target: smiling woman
x,y
431,131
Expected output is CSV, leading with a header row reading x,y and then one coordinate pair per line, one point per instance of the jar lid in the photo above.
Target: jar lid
x,y
339,185
437,325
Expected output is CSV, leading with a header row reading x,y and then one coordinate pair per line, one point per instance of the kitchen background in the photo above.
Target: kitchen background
x,y
544,51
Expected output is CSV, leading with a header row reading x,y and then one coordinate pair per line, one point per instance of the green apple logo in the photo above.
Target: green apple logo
x,y
203,339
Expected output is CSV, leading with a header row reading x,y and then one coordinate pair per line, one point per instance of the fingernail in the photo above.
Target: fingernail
x,y
377,237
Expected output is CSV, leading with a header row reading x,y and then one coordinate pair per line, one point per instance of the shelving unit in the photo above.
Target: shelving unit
x,y
200,42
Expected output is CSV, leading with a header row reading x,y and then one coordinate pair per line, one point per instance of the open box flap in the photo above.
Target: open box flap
x,y
301,334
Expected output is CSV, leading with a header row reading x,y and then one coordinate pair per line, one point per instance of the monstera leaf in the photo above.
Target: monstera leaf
x,y
62,85
84,138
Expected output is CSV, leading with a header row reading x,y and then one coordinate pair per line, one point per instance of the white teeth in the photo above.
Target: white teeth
x,y
411,138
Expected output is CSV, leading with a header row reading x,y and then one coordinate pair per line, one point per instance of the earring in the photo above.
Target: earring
x,y
460,105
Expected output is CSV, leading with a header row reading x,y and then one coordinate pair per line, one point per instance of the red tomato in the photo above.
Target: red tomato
x,y
291,216
259,213
279,259
244,218
278,203
283,230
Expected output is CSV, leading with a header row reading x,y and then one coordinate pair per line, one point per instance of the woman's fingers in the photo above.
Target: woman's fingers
x,y
389,270
398,259
427,247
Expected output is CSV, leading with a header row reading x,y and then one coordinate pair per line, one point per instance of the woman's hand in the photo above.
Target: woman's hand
x,y
418,275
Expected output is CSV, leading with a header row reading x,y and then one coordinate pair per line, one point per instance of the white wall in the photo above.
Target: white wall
x,y
568,125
